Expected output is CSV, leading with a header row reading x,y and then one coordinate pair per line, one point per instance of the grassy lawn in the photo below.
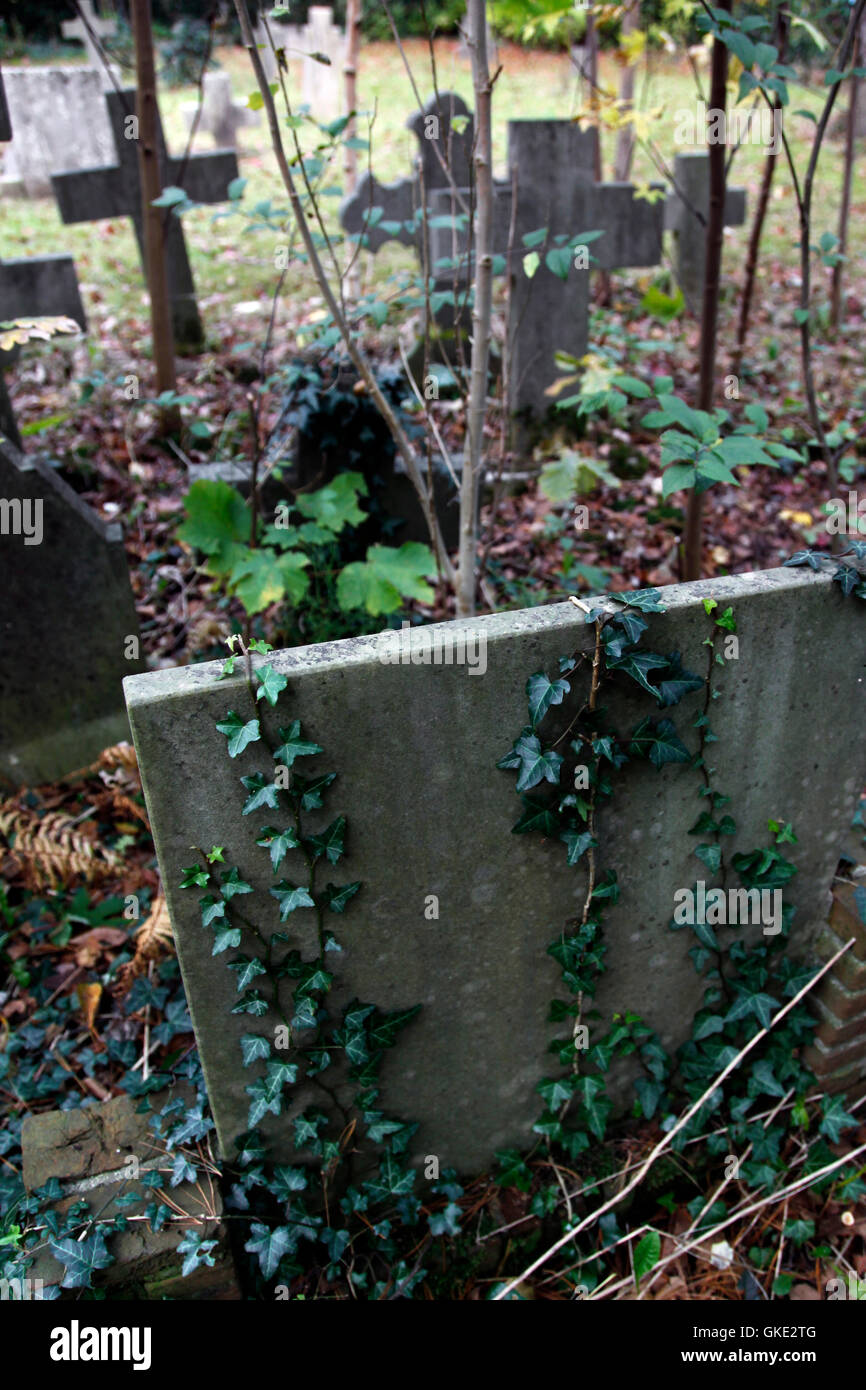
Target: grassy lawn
x,y
234,266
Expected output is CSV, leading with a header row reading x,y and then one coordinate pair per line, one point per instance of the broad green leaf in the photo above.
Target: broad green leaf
x,y
387,576
293,746
278,842
217,517
637,664
329,842
336,505
658,742
339,896
261,794
647,1254
239,734
536,764
254,1048
271,683
290,897
542,693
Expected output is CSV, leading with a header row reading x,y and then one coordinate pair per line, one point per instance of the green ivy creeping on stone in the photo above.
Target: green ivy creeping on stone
x,y
313,1206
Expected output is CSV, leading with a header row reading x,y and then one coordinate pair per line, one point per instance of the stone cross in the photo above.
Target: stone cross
x,y
380,211
683,217
89,29
220,116
556,190
321,82
30,288
91,195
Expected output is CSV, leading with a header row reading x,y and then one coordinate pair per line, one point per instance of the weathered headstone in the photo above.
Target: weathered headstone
x,y
92,195
68,628
30,288
220,116
321,82
59,121
90,29
415,747
686,218
556,190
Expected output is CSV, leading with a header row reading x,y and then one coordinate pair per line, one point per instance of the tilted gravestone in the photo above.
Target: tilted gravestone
x,y
59,121
92,195
686,217
557,193
5,123
220,116
30,288
68,628
89,28
415,745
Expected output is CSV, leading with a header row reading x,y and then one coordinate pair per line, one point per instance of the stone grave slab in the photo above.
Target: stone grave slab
x,y
114,190
29,288
415,748
686,218
66,624
220,116
59,121
90,29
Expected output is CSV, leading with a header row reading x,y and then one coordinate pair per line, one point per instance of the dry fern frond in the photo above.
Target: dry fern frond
x,y
51,850
152,940
118,755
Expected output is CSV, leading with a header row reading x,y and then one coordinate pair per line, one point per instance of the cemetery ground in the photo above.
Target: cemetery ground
x,y
96,1004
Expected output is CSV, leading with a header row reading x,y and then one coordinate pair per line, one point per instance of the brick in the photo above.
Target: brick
x,y
826,1061
832,1032
845,919
843,1003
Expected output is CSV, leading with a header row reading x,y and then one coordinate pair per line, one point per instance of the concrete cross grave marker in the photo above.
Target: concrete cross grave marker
x,y
30,288
321,83
220,116
68,627
683,217
89,28
91,195
556,191
467,1066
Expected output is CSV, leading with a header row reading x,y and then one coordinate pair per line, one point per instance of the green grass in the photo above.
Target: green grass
x,y
232,266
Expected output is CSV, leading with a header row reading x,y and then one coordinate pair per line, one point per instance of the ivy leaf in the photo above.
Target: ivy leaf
x,y
248,967
293,746
80,1258
536,816
286,1181
279,842
239,734
577,843
227,938
711,855
233,884
836,1118
194,1247
649,1093
658,742
310,789
261,793
338,897
596,1106
847,578
675,682
647,600
270,1245
290,897
330,841
254,1048
805,557
542,693
211,909
535,763
637,664
195,877
271,683
632,624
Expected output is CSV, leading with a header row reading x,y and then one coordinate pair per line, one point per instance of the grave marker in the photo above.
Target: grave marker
x,y
220,116
692,176
88,28
321,83
29,288
91,195
415,748
556,190
5,123
68,628
59,121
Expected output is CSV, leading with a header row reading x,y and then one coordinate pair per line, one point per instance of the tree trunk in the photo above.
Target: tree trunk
x,y
473,454
625,138
710,315
151,187
845,208
781,41
350,76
